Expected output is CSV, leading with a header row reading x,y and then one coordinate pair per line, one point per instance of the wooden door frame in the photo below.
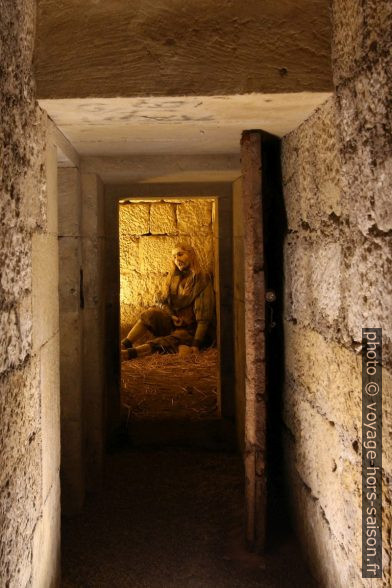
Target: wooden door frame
x,y
255,367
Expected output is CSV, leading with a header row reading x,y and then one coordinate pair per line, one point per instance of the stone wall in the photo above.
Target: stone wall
x,y
338,258
29,334
148,233
71,340
94,317
82,325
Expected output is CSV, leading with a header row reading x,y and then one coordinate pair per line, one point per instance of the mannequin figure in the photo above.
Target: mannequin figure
x,y
184,314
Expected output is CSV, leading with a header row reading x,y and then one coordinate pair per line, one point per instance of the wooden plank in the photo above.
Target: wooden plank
x,y
255,397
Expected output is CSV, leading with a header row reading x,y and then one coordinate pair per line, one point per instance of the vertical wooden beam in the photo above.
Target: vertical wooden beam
x,y
255,392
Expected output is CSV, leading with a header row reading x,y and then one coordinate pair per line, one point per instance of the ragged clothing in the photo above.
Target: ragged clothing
x,y
190,302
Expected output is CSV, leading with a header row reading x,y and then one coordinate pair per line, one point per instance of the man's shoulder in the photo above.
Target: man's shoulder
x,y
203,277
203,281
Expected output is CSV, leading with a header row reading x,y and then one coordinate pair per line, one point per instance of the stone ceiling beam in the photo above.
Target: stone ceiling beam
x,y
181,47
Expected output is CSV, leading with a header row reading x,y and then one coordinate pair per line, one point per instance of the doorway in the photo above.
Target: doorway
x,y
202,215
169,384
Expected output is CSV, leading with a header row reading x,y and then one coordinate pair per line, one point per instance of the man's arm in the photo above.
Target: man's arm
x,y
204,311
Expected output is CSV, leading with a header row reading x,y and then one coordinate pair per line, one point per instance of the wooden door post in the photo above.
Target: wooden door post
x,y
255,385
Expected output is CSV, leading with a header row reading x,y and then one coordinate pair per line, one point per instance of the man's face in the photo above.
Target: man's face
x,y
181,259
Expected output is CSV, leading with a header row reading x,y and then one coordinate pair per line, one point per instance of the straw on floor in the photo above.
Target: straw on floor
x,y
170,386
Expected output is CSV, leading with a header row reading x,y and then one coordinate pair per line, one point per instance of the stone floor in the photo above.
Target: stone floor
x,y
172,518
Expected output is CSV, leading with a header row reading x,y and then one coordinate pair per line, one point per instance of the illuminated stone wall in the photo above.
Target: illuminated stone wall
x,y
29,321
338,263
148,233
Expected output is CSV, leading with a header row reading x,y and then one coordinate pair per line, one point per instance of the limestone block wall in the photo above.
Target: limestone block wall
x,y
148,233
71,339
338,263
82,324
29,333
94,316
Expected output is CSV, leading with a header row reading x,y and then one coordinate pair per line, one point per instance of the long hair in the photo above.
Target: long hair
x,y
194,268
194,264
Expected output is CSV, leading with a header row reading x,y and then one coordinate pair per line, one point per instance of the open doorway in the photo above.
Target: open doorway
x,y
170,379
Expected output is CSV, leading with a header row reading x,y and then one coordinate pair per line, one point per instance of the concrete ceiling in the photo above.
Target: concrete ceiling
x,y
202,125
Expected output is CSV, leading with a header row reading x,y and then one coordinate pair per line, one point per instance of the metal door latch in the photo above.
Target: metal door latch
x,y
270,296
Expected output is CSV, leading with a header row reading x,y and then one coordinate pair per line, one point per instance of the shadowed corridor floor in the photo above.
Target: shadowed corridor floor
x,y
172,518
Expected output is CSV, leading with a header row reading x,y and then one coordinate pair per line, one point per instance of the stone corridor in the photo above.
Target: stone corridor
x,y
270,109
172,518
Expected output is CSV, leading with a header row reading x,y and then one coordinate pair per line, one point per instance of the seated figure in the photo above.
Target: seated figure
x,y
185,313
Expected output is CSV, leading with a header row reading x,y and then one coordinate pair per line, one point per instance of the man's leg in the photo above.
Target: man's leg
x,y
168,344
133,352
137,331
153,321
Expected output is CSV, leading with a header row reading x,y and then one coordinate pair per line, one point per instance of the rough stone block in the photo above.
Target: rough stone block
x,y
368,289
70,205
15,262
361,32
323,411
325,555
20,507
156,254
25,181
366,146
93,391
311,169
45,288
348,26
72,467
134,219
19,415
15,334
93,271
204,247
378,19
382,192
70,262
325,279
141,290
50,413
25,316
332,475
129,254
194,217
71,327
328,375
298,301
92,206
10,344
313,271
163,219
46,542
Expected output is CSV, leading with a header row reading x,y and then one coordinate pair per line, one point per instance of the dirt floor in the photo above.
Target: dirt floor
x,y
172,518
172,387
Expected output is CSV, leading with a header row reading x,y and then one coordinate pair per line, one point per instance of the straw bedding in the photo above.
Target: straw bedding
x,y
170,386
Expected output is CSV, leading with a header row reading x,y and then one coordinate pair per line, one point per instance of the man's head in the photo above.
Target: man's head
x,y
184,258
181,258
